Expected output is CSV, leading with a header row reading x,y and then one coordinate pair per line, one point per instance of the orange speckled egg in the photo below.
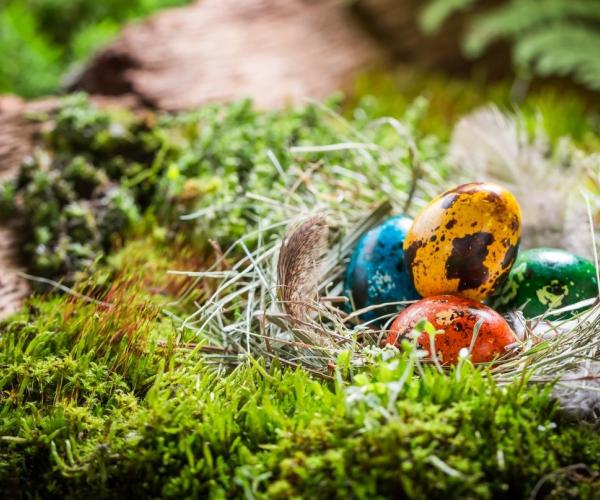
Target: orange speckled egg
x,y
464,242
456,317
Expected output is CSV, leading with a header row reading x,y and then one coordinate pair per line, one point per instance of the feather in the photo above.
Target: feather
x,y
299,265
579,391
493,146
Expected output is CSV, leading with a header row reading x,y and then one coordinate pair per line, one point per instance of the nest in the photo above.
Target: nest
x,y
282,299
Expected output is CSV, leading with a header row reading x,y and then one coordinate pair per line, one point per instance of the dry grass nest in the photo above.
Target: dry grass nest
x,y
281,300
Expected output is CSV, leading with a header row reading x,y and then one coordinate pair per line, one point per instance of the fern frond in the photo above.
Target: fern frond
x,y
549,37
517,17
433,16
562,49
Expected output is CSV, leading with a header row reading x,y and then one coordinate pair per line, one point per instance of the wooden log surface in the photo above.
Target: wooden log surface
x,y
273,51
17,139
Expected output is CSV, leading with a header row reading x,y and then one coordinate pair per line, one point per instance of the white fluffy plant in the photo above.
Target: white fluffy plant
x,y
550,183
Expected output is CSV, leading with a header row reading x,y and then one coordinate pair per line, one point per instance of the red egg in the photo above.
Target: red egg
x,y
456,317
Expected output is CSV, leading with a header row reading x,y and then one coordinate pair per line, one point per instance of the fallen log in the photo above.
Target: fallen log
x,y
273,51
18,136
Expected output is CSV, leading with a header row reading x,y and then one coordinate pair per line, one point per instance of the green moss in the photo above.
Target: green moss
x,y
112,167
562,111
7,200
102,172
85,413
108,398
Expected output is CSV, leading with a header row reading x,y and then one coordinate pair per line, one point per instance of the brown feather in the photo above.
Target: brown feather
x,y
299,265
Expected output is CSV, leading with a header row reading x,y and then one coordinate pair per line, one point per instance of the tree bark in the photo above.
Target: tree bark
x,y
273,51
18,135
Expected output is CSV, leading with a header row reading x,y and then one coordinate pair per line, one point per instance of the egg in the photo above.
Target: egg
x,y
464,241
455,317
376,273
546,278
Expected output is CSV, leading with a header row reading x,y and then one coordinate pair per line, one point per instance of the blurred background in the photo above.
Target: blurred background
x,y
176,54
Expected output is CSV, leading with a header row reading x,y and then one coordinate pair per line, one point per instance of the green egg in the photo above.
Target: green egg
x,y
546,278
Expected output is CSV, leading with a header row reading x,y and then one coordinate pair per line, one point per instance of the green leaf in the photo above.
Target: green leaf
x,y
562,49
438,11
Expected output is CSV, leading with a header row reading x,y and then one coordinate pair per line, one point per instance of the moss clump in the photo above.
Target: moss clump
x,y
561,111
105,174
103,400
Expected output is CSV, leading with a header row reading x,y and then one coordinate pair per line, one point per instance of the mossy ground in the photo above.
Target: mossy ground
x,y
110,399
98,401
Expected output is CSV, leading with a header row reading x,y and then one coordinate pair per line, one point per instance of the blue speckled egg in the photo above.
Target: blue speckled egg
x,y
376,273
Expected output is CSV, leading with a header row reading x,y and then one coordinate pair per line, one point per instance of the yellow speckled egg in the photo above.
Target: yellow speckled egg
x,y
464,242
